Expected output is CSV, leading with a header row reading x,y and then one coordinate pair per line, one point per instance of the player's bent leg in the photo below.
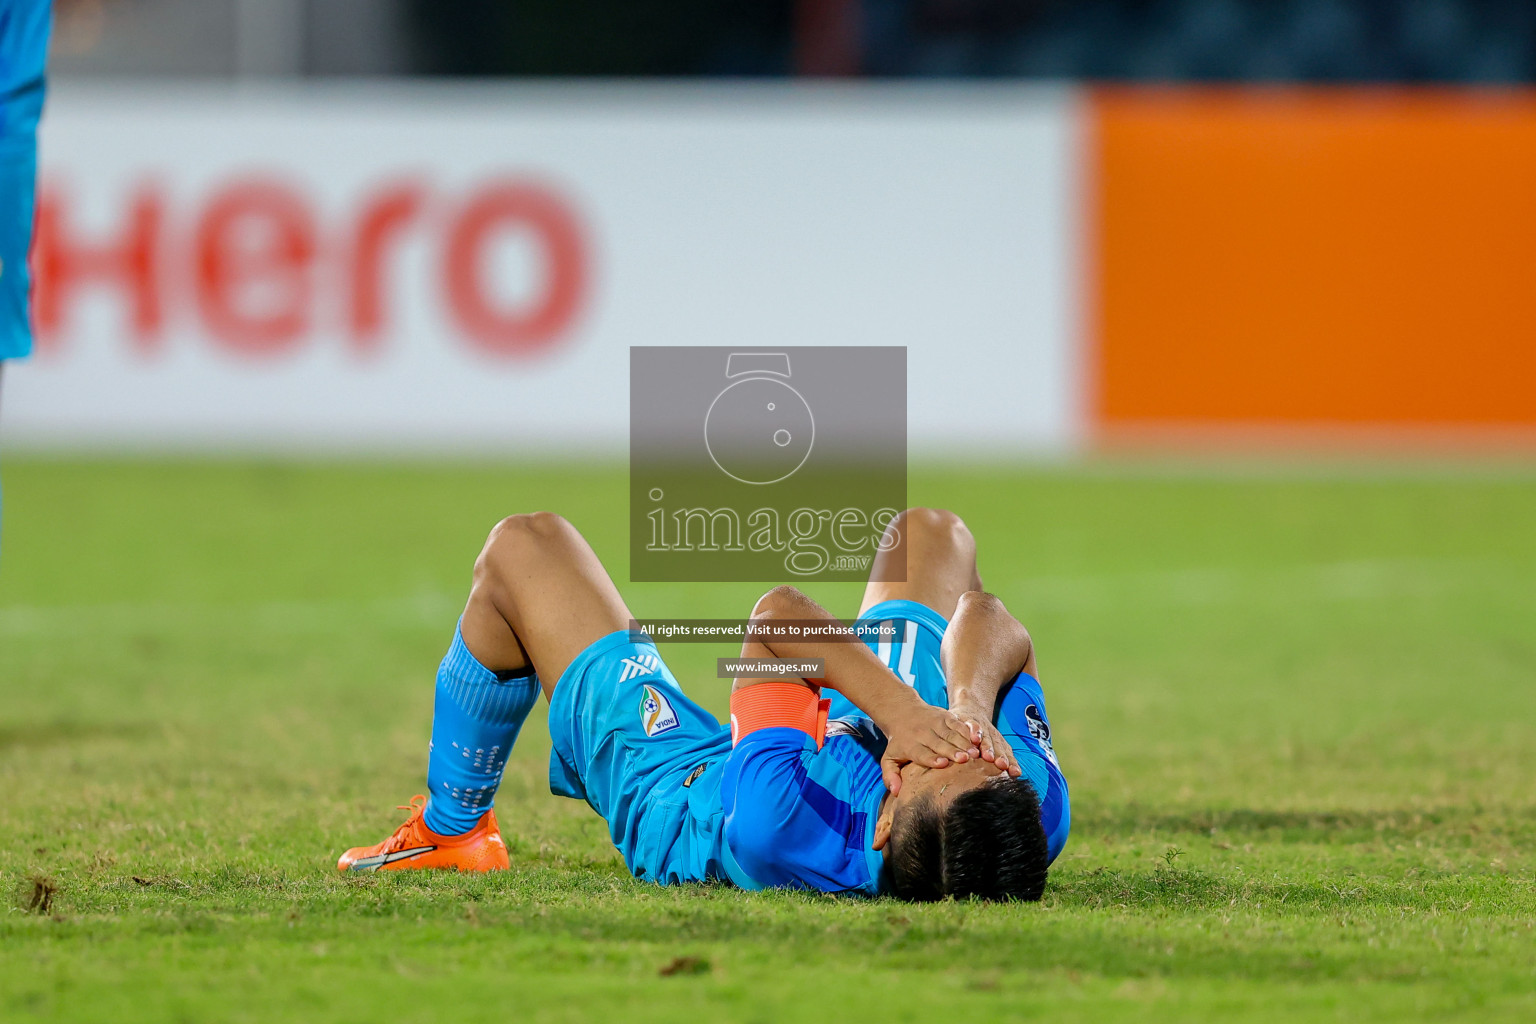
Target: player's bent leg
x,y
623,735
936,554
649,760
539,598
940,557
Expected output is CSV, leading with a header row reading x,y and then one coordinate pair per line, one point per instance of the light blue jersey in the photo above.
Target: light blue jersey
x,y
798,817
683,806
1020,713
24,26
802,817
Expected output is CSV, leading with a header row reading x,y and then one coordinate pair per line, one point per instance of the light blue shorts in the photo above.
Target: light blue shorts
x,y
629,742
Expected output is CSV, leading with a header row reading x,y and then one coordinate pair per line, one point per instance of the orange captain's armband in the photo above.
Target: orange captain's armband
x,y
770,705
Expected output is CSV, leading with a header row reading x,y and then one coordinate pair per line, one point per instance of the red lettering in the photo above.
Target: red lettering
x,y
62,263
382,219
255,246
500,207
254,262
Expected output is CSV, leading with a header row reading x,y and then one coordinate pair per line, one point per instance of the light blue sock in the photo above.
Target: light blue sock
x,y
476,716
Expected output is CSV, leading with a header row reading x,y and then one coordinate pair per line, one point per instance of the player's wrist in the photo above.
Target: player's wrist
x,y
892,707
966,699
961,701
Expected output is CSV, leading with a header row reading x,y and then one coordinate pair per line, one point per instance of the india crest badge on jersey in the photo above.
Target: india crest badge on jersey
x,y
656,714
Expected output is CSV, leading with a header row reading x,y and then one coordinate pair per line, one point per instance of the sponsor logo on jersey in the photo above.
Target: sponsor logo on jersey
x,y
656,714
1040,729
639,665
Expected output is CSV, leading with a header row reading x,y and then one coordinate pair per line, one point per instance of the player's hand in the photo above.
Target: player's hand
x,y
994,746
929,736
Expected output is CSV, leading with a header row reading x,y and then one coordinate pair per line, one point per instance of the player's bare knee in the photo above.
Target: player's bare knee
x,y
934,529
538,528
516,540
548,527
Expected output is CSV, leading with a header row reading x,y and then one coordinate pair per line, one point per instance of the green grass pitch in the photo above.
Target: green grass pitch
x,y
1297,711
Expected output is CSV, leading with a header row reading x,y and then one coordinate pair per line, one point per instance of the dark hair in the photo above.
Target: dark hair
x,y
988,842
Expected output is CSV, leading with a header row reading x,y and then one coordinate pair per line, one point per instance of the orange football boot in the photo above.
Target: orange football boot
x,y
414,846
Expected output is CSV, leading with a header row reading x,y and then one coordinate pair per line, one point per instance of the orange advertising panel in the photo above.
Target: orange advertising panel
x,y
1313,259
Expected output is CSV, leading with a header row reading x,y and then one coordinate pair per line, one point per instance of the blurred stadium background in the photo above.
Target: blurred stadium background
x,y
336,224
1488,41
324,287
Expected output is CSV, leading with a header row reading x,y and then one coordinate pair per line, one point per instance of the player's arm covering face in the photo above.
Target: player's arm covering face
x,y
988,661
798,813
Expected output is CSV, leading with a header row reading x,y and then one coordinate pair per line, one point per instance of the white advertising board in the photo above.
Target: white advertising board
x,y
440,268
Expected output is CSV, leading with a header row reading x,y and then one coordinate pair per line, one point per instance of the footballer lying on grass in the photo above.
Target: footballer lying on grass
x,y
929,773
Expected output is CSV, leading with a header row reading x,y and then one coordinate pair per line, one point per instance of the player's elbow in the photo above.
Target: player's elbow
x,y
782,602
978,606
979,601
